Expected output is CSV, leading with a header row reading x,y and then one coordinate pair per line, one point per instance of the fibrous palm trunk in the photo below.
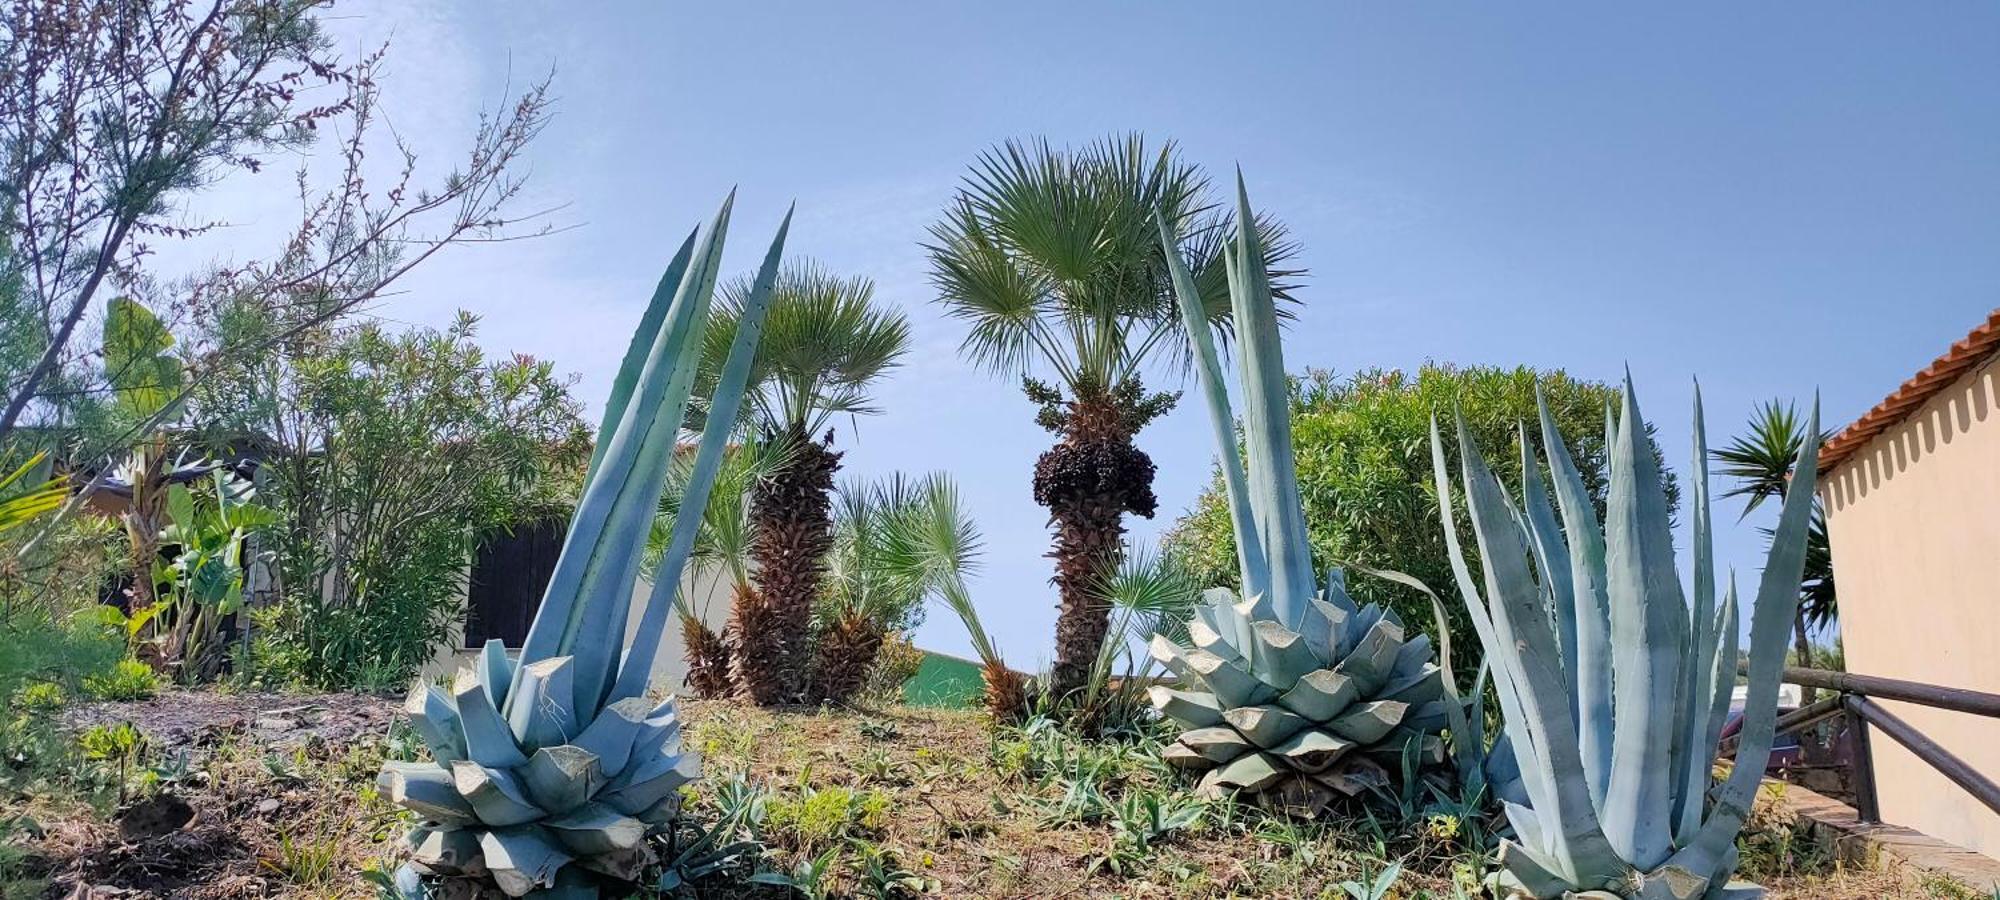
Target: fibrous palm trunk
x,y
791,531
707,656
844,656
1006,692
1088,482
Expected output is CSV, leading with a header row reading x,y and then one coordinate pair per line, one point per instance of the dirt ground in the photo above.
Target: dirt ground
x,y
276,799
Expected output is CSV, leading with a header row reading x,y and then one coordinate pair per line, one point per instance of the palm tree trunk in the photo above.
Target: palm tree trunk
x,y
845,655
707,656
792,530
1006,692
1088,482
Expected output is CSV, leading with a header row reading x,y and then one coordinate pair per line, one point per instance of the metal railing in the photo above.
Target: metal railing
x,y
1855,696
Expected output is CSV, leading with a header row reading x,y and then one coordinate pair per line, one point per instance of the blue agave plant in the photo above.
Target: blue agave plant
x,y
1292,693
547,772
1613,683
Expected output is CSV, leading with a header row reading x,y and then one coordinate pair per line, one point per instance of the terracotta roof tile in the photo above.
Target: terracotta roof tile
x,y
1964,355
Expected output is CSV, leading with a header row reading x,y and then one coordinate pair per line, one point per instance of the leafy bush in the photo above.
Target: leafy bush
x,y
128,680
398,451
1363,456
40,654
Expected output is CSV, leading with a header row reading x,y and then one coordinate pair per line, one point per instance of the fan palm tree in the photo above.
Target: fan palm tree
x,y
1053,259
722,542
896,544
1761,462
825,343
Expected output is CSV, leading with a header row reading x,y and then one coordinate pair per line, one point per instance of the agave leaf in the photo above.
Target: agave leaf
x,y
1194,710
1282,654
1266,726
488,741
1770,619
426,790
1368,723
1267,427
522,859
431,713
495,670
1522,640
562,778
596,829
1592,676
448,851
1538,778
1552,559
1250,557
637,669
1694,752
550,718
601,536
495,794
1649,637
1373,660
611,735
597,634
638,350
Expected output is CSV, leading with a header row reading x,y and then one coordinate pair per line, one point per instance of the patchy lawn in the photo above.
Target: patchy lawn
x,y
276,799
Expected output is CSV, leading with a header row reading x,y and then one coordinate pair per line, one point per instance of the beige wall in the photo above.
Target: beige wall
x,y
711,594
1914,521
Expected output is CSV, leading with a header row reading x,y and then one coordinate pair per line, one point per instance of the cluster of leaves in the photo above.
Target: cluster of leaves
x,y
1364,473
392,453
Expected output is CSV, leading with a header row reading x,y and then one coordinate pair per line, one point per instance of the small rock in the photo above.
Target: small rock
x,y
276,723
269,806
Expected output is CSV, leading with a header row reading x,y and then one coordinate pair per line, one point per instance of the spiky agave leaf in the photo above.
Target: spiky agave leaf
x,y
1292,693
1615,736
549,771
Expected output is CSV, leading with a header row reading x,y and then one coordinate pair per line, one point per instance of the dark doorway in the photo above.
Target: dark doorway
x,y
510,571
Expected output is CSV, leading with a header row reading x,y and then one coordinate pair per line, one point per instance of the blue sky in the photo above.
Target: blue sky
x,y
1777,200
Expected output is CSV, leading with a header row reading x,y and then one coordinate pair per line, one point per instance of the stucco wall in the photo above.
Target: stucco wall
x,y
710,590
1914,522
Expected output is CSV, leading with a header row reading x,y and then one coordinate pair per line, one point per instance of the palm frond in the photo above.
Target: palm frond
x,y
1761,460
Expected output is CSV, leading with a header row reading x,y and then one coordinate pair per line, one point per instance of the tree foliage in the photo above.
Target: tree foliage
x,y
1364,470
393,453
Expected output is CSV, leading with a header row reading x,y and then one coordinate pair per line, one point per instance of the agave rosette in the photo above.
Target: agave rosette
x,y
549,772
1292,694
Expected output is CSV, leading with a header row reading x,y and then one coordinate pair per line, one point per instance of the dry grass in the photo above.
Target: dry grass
x,y
895,802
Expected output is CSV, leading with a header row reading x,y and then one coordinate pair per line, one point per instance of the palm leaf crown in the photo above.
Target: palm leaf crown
x,y
1051,257
825,342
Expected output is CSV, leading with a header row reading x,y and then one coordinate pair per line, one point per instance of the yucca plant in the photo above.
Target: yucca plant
x,y
1613,685
1291,693
547,773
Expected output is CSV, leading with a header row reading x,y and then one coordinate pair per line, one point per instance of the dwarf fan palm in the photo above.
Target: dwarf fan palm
x,y
896,543
824,343
722,542
1051,258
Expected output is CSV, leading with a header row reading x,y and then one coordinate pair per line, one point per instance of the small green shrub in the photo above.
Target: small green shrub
x,y
128,680
819,818
42,697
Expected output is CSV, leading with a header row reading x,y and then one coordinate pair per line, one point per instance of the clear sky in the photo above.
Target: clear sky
x,y
1776,199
